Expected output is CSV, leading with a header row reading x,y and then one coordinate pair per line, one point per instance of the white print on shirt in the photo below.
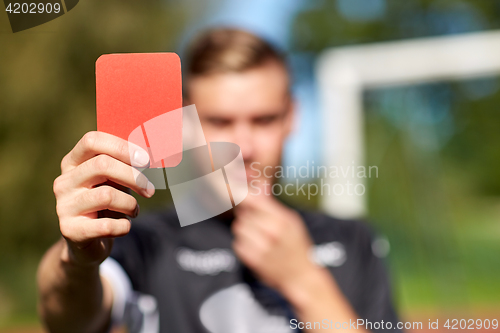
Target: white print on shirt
x,y
235,310
329,254
211,262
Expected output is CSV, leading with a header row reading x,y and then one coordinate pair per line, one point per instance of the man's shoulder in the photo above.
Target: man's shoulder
x,y
324,227
347,245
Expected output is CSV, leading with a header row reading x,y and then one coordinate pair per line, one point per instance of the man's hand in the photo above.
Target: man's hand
x,y
272,241
93,208
94,176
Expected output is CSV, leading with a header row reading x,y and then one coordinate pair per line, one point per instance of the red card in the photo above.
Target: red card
x,y
137,90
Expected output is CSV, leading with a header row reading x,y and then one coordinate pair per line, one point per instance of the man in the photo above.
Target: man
x,y
247,271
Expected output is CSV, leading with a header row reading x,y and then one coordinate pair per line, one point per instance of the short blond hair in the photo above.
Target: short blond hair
x,y
222,50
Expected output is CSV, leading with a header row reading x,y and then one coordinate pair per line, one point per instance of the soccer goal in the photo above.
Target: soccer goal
x,y
343,73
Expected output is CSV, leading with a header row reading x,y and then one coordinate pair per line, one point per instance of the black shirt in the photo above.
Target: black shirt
x,y
200,285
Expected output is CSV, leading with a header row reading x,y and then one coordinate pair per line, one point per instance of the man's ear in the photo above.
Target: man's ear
x,y
289,121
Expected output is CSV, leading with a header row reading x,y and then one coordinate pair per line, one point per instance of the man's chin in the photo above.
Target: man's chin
x,y
260,183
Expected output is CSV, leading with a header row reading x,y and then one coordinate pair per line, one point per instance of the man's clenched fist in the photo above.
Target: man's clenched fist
x,y
92,203
272,241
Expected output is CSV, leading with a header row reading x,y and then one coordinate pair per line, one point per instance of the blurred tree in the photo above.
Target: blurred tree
x,y
330,23
47,102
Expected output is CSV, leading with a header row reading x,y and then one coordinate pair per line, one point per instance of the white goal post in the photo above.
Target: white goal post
x,y
344,72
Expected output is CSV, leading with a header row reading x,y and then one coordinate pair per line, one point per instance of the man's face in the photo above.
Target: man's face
x,y
251,109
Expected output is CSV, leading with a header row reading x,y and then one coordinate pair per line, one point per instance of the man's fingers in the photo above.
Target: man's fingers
x,y
85,229
265,203
260,223
248,245
96,143
258,212
103,168
244,251
241,226
105,197
251,218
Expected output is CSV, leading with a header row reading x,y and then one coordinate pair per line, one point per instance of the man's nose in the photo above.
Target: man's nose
x,y
244,139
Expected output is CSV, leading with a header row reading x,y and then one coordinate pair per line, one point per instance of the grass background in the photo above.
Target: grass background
x,y
437,198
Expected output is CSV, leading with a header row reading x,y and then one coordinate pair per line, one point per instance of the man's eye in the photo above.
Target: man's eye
x,y
267,120
219,122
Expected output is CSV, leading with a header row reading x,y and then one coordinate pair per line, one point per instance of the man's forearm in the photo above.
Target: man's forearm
x,y
72,298
316,297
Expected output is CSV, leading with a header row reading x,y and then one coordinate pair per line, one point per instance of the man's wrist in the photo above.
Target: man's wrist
x,y
71,267
305,288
